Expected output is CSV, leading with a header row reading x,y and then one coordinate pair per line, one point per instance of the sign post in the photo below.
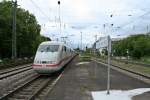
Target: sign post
x,y
101,43
108,68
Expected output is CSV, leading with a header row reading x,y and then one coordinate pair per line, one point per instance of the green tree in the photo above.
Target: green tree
x,y
27,29
137,45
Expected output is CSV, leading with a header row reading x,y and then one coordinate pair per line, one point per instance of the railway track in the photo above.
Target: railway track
x,y
127,70
14,71
30,86
32,89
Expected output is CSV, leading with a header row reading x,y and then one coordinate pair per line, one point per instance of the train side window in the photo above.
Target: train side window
x,y
65,48
62,49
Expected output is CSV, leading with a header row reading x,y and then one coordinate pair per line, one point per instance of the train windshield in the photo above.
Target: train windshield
x,y
48,48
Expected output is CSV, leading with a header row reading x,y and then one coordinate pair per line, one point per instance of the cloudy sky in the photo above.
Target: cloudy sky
x,y
90,17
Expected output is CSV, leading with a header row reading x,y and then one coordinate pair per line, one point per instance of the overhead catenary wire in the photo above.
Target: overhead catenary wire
x,y
40,10
45,15
122,26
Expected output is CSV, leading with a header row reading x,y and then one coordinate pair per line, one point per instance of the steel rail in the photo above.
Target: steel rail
x,y
14,72
36,86
6,96
13,69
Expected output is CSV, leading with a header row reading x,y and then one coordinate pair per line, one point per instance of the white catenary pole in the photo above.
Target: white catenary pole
x,y
14,50
108,68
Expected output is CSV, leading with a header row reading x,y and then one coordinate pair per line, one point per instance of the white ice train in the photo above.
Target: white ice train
x,y
51,56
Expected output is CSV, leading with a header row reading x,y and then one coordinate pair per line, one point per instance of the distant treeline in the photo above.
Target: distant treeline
x,y
136,46
27,29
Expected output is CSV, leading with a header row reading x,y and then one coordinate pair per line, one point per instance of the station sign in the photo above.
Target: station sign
x,y
102,42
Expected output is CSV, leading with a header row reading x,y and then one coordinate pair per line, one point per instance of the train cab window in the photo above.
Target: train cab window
x,y
48,48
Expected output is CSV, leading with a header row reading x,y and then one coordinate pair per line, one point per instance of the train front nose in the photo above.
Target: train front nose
x,y
46,68
46,62
46,57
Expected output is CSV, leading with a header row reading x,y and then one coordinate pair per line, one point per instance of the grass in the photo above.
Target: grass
x,y
134,67
85,57
145,59
7,63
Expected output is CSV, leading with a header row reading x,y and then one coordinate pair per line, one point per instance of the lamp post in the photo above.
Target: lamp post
x,y
59,17
109,59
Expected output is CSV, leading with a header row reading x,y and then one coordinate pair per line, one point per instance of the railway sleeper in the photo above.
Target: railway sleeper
x,y
14,99
20,96
26,92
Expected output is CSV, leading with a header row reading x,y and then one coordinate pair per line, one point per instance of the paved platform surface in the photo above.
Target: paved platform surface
x,y
78,80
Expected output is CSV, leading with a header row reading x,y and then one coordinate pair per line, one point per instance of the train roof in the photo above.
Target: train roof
x,y
52,42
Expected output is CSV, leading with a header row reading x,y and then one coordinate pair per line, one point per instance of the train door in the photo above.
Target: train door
x,y
63,52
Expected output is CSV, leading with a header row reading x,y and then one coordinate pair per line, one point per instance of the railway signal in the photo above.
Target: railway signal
x,y
58,2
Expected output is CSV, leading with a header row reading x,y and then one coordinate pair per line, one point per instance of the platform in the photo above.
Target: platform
x,y
79,79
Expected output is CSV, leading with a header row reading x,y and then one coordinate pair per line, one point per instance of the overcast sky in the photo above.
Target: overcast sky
x,y
89,17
